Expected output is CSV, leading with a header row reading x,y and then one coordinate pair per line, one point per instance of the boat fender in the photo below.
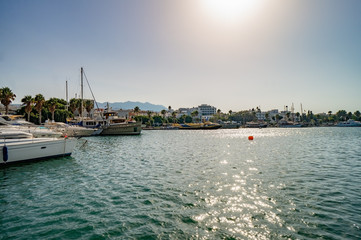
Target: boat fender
x,y
5,153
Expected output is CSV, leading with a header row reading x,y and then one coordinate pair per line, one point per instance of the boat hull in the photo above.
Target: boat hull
x,y
198,126
35,149
122,129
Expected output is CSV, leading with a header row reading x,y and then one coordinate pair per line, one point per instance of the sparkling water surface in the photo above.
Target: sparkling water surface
x,y
285,184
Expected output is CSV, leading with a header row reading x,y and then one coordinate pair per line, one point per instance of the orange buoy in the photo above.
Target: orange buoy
x,y
250,137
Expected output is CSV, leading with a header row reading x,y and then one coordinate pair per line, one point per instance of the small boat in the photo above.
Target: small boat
x,y
17,146
349,123
119,126
256,125
288,124
71,130
197,126
24,126
110,123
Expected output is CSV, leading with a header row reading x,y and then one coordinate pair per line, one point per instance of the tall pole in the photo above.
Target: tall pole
x,y
82,96
66,91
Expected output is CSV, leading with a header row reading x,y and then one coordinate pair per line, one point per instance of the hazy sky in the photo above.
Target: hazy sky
x,y
232,54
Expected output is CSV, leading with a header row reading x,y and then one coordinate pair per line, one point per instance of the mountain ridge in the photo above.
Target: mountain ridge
x,y
145,106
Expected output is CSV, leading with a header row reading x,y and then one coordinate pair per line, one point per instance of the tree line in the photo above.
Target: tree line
x,y
37,109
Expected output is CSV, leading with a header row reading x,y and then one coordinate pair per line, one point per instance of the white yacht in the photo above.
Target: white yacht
x,y
6,123
349,123
71,130
18,146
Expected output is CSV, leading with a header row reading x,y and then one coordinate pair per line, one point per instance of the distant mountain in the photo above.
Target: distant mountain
x,y
131,105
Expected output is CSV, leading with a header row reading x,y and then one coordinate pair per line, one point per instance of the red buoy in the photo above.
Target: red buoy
x,y
250,137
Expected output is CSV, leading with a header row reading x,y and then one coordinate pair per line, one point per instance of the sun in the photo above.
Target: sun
x,y
231,11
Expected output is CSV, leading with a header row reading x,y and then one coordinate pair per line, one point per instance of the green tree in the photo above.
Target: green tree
x,y
341,115
163,112
357,114
73,104
28,102
136,110
6,97
80,106
39,102
158,120
174,116
52,103
89,105
349,115
298,115
194,114
149,114
288,115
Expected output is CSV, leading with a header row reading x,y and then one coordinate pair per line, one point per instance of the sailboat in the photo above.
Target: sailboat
x,y
109,123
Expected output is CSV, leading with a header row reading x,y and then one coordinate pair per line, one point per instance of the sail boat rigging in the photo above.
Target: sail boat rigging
x,y
109,123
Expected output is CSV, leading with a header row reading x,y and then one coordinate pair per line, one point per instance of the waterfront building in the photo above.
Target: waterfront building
x,y
206,111
261,116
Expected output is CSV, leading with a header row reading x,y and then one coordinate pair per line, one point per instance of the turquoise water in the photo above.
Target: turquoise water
x,y
285,184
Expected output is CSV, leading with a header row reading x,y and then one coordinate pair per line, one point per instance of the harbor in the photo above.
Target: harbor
x,y
198,119
191,184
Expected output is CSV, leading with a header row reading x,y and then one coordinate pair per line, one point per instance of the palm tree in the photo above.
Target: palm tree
x,y
174,115
6,97
52,104
163,112
194,113
28,101
230,114
288,116
298,115
73,105
357,114
80,106
136,110
39,102
89,105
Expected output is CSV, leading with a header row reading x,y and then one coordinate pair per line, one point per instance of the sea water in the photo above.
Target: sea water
x,y
285,184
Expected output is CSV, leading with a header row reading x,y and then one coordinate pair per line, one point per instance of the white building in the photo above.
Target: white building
x,y
206,111
261,116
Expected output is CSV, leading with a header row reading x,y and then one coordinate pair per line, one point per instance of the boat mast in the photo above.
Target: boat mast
x,y
66,94
82,96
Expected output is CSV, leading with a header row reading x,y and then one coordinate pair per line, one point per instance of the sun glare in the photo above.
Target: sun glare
x,y
231,11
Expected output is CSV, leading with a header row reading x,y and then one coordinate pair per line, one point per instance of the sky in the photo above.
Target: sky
x,y
231,54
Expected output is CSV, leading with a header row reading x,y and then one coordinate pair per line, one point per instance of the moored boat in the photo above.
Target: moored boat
x,y
256,125
197,126
6,123
115,125
289,124
71,130
25,148
349,123
109,123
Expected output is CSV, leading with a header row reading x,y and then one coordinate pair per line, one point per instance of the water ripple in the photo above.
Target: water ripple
x,y
286,184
